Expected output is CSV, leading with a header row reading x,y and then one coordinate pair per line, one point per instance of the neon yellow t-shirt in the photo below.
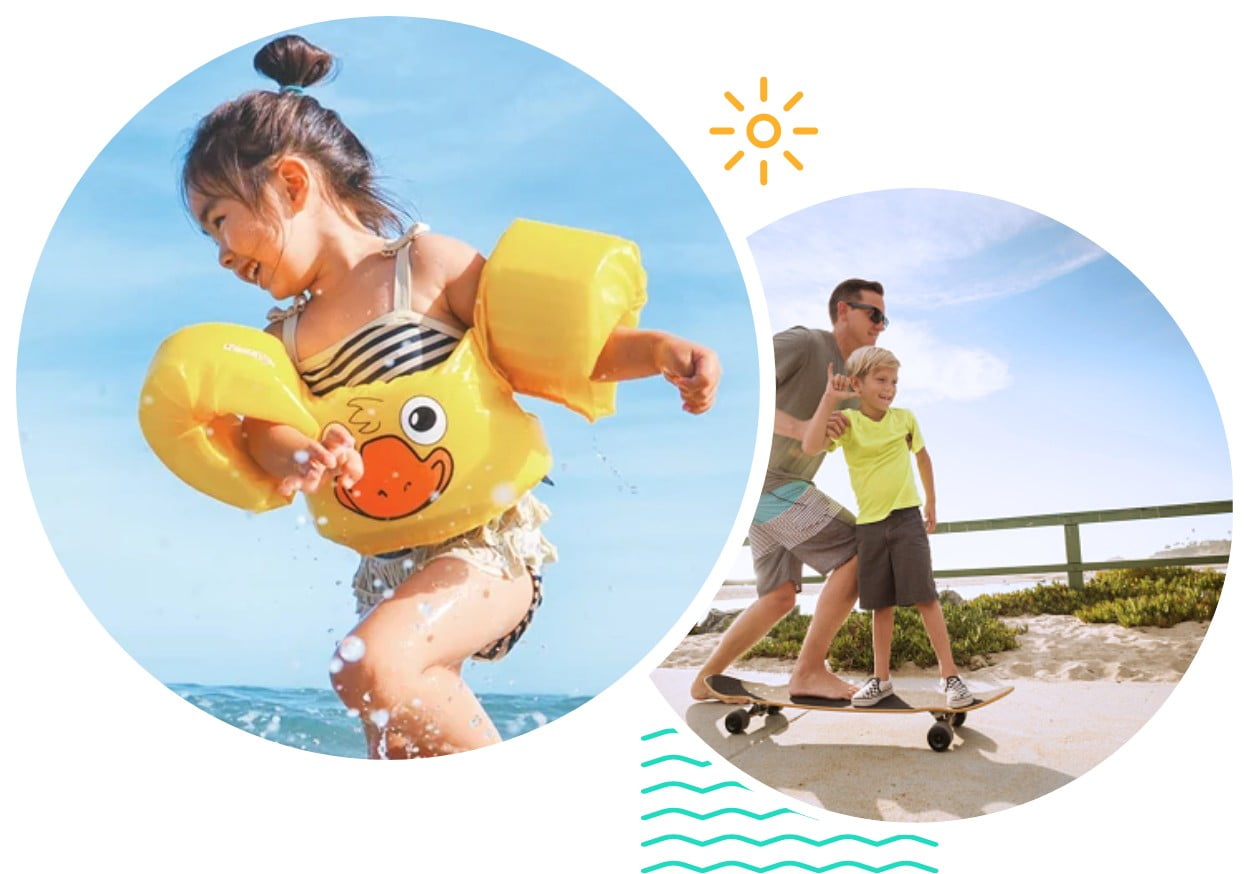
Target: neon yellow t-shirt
x,y
878,462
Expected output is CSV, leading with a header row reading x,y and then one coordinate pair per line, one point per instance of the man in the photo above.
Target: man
x,y
795,524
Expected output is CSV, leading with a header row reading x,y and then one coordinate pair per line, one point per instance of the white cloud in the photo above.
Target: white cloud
x,y
929,248
932,370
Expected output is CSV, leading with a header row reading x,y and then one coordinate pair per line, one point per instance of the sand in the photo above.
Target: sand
x,y
880,766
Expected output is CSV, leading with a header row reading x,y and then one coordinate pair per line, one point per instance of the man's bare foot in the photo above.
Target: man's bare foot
x,y
820,683
698,690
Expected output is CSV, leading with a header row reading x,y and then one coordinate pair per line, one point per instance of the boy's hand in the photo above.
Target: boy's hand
x,y
335,451
931,519
838,387
693,369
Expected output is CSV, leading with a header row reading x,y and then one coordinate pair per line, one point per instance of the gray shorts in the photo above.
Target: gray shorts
x,y
894,566
829,547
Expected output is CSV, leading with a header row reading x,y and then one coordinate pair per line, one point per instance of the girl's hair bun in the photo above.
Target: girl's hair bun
x,y
292,60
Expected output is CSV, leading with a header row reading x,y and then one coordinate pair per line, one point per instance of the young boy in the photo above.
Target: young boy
x,y
892,548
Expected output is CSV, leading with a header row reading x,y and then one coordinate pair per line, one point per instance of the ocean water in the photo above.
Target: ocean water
x,y
315,720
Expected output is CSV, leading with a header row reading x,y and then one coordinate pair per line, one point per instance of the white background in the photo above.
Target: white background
x,y
1119,120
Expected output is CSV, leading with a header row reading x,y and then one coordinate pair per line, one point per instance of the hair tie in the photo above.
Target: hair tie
x,y
297,89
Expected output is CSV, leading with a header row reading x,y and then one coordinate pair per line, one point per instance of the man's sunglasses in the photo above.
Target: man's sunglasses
x,y
876,315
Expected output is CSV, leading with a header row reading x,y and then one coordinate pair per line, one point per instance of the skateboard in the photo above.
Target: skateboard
x,y
768,700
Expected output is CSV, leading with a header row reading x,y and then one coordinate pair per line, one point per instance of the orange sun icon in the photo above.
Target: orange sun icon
x,y
763,131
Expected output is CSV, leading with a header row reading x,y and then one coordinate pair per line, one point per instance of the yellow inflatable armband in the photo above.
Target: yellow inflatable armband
x,y
549,297
202,382
445,449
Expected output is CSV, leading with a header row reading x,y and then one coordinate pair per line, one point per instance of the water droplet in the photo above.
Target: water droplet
x,y
379,718
335,665
503,493
301,521
148,399
378,583
475,722
352,712
322,520
426,608
301,456
209,430
352,649
417,703
408,564
387,594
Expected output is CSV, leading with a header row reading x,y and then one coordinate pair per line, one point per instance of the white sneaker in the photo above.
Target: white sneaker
x,y
958,694
871,693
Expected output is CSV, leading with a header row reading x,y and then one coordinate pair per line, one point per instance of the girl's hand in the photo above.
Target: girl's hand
x,y
931,519
335,451
692,369
340,443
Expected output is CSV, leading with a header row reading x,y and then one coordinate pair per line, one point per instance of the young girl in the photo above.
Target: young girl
x,y
289,196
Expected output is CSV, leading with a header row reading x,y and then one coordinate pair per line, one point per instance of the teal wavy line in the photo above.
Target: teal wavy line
x,y
659,733
673,784
804,840
723,812
824,868
660,759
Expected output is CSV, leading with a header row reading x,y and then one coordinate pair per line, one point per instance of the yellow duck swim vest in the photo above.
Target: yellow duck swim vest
x,y
446,449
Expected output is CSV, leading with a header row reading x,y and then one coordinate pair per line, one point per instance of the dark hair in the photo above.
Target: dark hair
x,y
850,289
233,146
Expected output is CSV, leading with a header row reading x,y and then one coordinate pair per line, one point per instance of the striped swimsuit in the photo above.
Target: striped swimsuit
x,y
397,343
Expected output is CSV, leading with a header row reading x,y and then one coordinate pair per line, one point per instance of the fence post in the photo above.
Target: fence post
x,y
1073,552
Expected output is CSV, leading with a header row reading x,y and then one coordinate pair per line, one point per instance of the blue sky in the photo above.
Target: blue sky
x,y
472,130
1045,376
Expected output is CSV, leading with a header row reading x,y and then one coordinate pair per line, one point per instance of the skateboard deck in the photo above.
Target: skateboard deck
x,y
765,699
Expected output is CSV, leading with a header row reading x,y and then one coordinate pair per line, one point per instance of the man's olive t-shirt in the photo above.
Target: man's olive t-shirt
x,y
801,357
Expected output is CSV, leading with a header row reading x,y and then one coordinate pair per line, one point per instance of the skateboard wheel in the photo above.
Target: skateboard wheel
x,y
939,737
773,709
958,719
737,721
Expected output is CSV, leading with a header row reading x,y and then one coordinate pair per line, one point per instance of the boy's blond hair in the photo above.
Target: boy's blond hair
x,y
869,358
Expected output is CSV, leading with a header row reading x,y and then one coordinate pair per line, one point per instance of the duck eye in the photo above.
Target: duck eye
x,y
423,420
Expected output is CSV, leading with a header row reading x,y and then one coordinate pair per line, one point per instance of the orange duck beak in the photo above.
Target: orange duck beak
x,y
396,481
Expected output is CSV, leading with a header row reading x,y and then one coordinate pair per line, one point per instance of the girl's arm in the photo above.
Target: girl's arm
x,y
455,267
629,353
926,471
298,461
632,353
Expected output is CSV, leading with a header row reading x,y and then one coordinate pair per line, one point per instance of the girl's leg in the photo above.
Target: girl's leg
x,y
936,630
884,623
400,666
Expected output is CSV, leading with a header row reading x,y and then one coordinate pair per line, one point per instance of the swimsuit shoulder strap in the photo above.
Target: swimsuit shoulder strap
x,y
400,249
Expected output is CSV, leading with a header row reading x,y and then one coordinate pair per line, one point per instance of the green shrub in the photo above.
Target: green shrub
x,y
1132,597
1164,609
1043,598
972,630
